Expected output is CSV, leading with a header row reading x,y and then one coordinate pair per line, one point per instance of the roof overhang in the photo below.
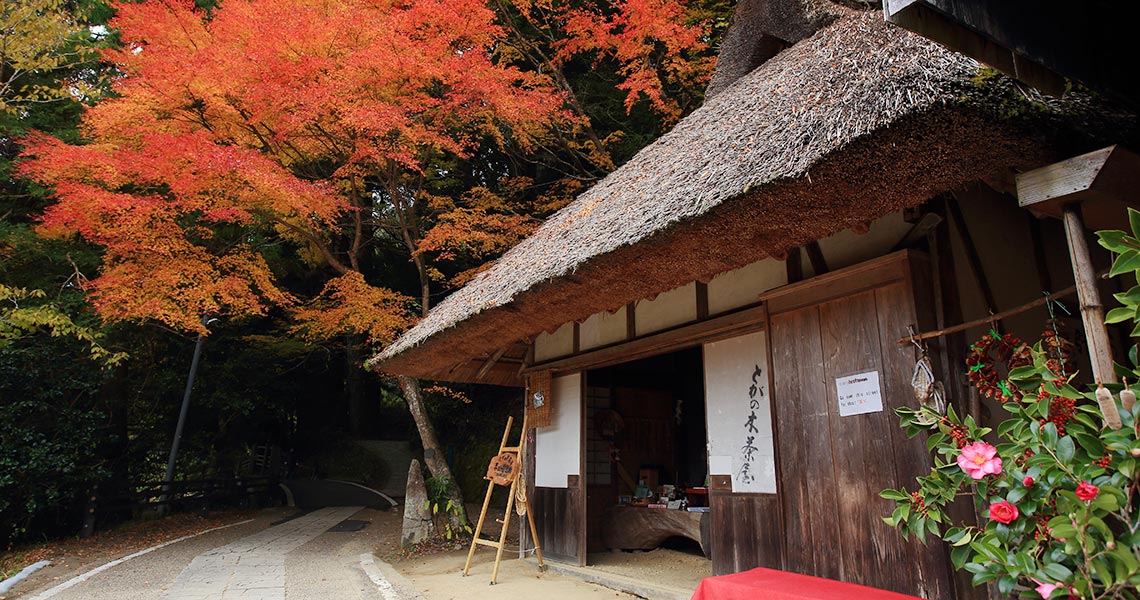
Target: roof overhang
x,y
1040,42
860,120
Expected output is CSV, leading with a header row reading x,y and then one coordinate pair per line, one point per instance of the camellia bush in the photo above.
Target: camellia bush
x,y
1055,486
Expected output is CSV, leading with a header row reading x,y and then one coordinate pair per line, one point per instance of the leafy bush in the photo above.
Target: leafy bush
x,y
450,521
50,437
1059,492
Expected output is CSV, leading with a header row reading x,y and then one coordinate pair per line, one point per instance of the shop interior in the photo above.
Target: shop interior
x,y
646,460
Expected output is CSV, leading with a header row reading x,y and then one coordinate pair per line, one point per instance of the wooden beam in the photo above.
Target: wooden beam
x,y
815,256
919,230
684,336
794,266
702,301
1092,312
528,358
630,320
1061,180
954,210
490,362
1005,314
1102,182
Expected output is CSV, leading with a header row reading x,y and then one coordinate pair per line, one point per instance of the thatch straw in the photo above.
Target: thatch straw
x,y
859,120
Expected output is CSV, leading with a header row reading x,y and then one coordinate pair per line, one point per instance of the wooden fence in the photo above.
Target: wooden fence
x,y
178,496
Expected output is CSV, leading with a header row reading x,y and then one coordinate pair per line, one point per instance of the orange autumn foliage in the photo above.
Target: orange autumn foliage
x,y
652,44
348,303
285,116
657,45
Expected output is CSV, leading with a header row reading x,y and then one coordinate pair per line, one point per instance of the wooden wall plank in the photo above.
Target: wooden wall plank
x,y
896,310
557,527
807,483
864,454
745,532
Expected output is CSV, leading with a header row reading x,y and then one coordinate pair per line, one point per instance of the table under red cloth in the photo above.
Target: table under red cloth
x,y
769,584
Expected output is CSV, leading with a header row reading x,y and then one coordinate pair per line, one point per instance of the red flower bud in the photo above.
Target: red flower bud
x,y
1028,481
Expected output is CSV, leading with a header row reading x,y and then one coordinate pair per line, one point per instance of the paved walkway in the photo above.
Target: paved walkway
x,y
252,568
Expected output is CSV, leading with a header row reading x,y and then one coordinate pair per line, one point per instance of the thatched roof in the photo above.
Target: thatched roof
x,y
858,120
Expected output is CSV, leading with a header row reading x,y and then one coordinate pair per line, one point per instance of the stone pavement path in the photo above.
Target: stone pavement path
x,y
253,567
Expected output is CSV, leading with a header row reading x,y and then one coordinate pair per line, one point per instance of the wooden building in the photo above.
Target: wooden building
x,y
728,305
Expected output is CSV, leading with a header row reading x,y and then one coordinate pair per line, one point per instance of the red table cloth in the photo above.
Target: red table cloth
x,y
769,584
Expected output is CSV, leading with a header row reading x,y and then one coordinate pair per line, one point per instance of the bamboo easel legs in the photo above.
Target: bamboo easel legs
x,y
477,540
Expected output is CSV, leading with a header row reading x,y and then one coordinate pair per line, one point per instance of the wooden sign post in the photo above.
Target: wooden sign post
x,y
504,470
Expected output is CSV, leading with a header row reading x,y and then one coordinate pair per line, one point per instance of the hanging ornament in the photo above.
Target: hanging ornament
x,y
985,356
927,390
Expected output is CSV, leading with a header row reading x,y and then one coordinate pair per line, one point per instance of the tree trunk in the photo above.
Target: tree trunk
x,y
433,455
354,384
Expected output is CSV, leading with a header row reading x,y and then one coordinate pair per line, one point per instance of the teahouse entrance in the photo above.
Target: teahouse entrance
x,y
646,460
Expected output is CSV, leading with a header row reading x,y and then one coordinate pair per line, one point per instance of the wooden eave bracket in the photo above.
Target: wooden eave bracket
x,y
1102,182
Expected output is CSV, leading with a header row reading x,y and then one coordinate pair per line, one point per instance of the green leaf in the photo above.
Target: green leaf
x,y
1016,493
1056,571
894,495
1127,262
1134,221
958,555
1106,502
1113,240
1118,315
1066,449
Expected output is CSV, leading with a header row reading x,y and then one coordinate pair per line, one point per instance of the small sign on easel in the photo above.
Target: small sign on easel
x,y
859,394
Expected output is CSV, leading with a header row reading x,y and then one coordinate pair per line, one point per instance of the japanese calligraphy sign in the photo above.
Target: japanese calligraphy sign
x,y
739,413
859,394
504,468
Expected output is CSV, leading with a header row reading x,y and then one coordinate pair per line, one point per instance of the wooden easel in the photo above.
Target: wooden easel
x,y
518,452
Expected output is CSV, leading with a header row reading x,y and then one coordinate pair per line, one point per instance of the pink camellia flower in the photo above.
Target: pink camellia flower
x,y
1046,589
979,459
1087,491
1003,512
1028,481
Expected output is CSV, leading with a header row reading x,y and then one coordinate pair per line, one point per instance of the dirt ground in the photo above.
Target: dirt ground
x,y
664,566
439,576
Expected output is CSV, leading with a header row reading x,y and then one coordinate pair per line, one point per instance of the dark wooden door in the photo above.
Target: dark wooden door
x,y
832,468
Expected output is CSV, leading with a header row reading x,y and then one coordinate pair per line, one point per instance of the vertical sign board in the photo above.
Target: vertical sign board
x,y
859,394
738,409
557,449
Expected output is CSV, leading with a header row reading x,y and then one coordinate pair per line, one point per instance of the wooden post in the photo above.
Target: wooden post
x,y
1092,312
89,513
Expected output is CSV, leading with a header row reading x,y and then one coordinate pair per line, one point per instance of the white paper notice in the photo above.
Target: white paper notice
x,y
859,394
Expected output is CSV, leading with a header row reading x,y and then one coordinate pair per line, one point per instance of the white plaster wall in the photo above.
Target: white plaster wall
x,y
847,248
558,448
674,307
730,367
553,345
736,288
602,329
